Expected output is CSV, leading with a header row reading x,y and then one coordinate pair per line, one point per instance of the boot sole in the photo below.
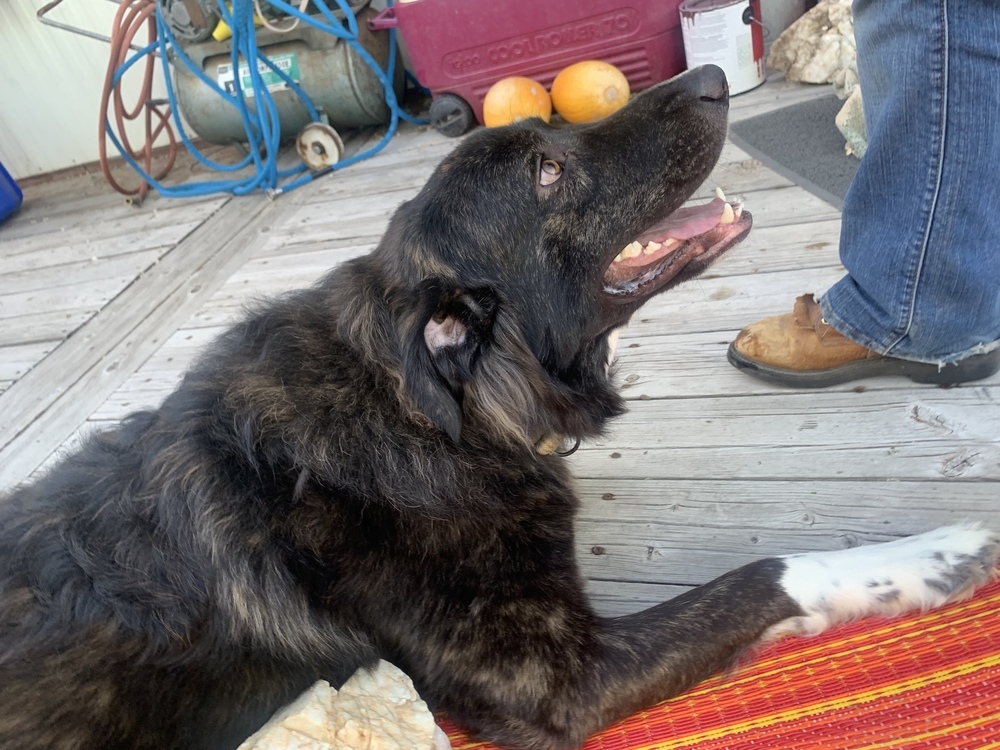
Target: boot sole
x,y
976,367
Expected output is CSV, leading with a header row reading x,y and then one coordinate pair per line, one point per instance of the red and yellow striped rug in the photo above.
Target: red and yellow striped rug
x,y
929,681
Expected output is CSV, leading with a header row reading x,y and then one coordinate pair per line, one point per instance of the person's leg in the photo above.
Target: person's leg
x,y
921,229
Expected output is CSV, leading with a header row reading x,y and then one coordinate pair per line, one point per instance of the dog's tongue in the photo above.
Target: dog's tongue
x,y
685,223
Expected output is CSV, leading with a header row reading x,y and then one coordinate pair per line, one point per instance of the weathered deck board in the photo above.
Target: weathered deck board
x,y
46,405
20,358
837,508
91,232
57,275
893,433
708,469
612,598
93,270
43,326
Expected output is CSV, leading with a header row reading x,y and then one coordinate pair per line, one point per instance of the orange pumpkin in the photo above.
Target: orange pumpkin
x,y
588,91
513,99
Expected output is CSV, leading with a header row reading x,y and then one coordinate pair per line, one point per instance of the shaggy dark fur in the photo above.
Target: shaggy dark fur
x,y
349,473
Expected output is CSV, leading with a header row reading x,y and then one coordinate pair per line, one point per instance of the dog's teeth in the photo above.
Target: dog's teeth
x,y
728,215
619,258
632,250
651,248
720,194
738,209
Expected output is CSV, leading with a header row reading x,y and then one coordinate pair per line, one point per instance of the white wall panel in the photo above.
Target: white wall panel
x,y
50,86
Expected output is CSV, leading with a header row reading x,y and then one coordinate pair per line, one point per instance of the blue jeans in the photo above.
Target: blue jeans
x,y
921,221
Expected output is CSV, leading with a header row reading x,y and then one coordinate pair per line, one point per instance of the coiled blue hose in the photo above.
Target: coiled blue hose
x,y
261,123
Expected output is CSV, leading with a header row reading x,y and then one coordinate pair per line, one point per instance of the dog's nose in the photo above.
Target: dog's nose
x,y
709,83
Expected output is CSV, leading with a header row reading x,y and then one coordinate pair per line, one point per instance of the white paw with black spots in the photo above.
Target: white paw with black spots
x,y
882,580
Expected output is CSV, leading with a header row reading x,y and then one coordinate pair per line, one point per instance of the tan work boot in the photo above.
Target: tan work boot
x,y
801,349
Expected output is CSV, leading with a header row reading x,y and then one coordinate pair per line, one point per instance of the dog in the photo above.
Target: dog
x,y
368,469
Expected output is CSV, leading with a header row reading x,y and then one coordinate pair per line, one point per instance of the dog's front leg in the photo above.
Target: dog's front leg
x,y
559,686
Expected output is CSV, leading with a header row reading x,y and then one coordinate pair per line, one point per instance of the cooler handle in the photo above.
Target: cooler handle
x,y
385,19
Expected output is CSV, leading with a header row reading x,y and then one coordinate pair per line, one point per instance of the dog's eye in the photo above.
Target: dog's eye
x,y
550,172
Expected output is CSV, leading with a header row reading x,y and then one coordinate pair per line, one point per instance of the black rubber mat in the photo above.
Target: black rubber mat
x,y
801,142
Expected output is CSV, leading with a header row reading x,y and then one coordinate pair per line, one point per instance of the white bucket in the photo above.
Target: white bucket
x,y
726,33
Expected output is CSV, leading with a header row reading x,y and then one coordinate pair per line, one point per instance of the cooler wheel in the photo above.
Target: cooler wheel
x,y
451,115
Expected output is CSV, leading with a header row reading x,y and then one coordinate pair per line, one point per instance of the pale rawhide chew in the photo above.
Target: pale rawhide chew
x,y
377,710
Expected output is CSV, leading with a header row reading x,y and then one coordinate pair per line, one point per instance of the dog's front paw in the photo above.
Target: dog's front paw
x,y
916,573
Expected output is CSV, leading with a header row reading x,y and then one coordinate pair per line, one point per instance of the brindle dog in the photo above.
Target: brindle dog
x,y
363,469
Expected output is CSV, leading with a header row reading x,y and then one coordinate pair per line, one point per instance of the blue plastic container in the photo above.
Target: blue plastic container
x,y
10,194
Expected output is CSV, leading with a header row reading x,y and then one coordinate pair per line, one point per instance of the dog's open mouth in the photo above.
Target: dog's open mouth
x,y
687,241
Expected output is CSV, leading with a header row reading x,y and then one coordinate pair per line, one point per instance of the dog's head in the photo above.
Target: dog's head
x,y
530,244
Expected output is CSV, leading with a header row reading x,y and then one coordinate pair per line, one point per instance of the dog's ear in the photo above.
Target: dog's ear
x,y
442,347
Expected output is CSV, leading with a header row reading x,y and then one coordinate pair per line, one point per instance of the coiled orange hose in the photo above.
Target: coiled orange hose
x,y
128,22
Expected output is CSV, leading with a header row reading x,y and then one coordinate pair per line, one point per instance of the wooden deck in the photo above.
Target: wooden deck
x,y
103,305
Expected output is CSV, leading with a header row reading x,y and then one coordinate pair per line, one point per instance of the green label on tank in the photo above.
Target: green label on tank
x,y
287,63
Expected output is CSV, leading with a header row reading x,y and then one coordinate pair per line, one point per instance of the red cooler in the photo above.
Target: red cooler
x,y
459,48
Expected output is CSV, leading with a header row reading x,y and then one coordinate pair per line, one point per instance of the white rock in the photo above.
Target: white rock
x,y
304,724
382,711
819,46
377,710
851,123
846,81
